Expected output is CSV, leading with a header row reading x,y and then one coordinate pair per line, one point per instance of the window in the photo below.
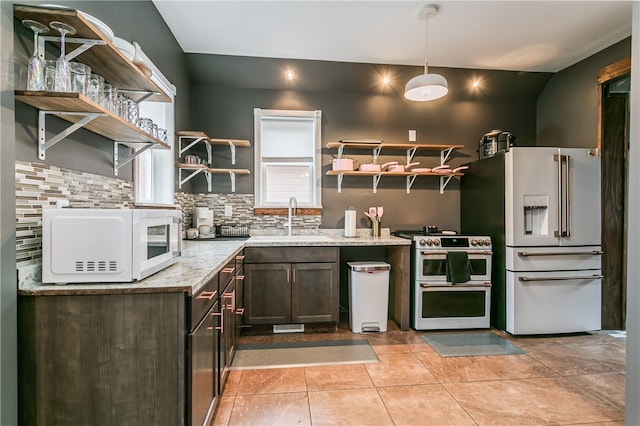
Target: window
x,y
287,157
154,169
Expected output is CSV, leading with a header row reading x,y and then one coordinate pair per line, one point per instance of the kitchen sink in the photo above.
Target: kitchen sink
x,y
291,238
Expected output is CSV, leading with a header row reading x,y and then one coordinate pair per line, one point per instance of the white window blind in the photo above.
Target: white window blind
x,y
288,137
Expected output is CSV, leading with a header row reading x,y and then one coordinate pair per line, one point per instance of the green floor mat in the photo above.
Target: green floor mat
x,y
302,354
470,344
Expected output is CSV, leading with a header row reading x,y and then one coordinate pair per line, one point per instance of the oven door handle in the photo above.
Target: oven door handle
x,y
575,277
485,284
470,253
563,253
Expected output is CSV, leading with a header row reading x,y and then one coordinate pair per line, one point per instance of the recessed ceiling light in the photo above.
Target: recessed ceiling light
x,y
476,84
289,74
386,79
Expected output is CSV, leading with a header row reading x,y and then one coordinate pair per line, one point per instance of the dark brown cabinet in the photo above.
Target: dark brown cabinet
x,y
104,357
291,285
202,355
231,308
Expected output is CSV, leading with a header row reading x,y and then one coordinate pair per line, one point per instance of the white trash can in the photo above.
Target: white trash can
x,y
368,296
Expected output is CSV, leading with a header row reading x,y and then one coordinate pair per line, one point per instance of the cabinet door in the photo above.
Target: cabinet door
x,y
203,377
227,331
267,293
314,292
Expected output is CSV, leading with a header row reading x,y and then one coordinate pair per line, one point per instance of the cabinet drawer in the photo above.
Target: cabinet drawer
x,y
290,254
202,301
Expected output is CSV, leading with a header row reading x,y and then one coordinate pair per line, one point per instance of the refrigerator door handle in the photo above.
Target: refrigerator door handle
x,y
565,253
577,277
567,198
558,231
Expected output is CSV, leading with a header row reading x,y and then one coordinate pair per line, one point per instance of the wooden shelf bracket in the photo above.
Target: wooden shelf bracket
x,y
192,174
444,155
444,181
118,163
232,147
410,180
191,140
85,44
44,144
232,177
411,152
376,181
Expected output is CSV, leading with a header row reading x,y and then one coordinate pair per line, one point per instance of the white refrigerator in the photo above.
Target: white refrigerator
x,y
546,220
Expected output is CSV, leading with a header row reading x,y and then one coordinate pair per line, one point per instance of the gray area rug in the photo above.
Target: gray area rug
x,y
302,354
470,344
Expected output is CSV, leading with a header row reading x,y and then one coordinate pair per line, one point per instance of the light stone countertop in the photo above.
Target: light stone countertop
x,y
200,261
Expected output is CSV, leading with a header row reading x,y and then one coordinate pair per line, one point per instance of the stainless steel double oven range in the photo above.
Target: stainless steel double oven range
x,y
438,303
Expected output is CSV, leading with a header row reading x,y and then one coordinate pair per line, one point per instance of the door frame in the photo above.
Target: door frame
x,y
605,75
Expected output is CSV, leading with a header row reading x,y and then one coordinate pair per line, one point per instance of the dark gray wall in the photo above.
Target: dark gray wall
x,y
85,151
226,90
568,106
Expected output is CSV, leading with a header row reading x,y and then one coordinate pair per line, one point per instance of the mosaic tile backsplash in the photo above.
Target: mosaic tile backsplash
x,y
40,185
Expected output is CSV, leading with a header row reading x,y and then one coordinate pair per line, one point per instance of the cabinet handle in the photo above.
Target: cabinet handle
x,y
239,277
561,253
207,295
288,275
229,270
577,277
232,295
240,311
294,276
220,314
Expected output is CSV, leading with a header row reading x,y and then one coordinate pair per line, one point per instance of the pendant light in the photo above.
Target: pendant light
x,y
426,87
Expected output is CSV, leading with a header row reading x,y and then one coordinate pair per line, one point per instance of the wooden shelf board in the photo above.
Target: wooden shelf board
x,y
358,173
236,171
185,166
402,146
193,134
109,125
357,145
193,167
106,60
236,142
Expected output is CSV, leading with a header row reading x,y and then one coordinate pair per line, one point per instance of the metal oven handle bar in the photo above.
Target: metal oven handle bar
x,y
563,253
470,252
577,277
423,285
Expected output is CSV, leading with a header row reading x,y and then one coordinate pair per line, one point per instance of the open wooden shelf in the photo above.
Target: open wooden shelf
x,y
391,146
107,124
359,173
105,60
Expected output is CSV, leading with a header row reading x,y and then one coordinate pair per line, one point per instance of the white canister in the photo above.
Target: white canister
x,y
192,233
350,222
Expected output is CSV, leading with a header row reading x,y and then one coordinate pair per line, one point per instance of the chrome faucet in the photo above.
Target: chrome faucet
x,y
293,207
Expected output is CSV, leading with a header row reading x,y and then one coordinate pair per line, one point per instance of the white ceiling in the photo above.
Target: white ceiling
x,y
503,35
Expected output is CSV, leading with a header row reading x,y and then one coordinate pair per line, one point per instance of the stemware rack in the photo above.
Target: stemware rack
x,y
106,60
376,148
188,139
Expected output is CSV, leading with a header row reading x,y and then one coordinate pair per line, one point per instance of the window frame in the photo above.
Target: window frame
x,y
161,177
315,181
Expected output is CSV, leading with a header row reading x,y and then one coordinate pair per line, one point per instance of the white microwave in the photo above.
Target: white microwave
x,y
108,245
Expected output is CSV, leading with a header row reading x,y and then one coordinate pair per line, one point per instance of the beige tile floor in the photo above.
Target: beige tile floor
x,y
561,380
